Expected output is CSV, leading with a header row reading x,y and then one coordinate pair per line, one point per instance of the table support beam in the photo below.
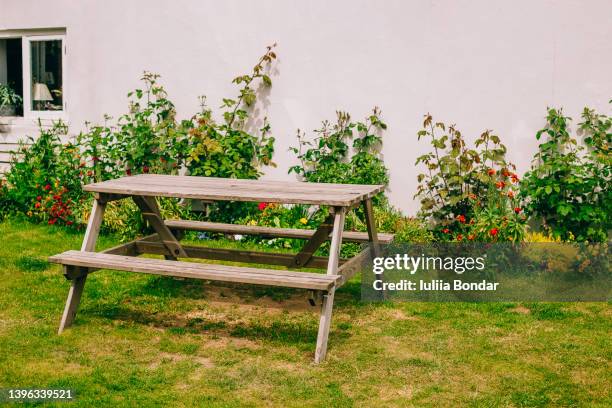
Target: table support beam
x,y
150,210
318,238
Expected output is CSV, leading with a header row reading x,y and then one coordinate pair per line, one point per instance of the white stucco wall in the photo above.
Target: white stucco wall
x,y
479,64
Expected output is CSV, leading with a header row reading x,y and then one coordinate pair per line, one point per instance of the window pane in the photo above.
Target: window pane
x,y
11,77
47,75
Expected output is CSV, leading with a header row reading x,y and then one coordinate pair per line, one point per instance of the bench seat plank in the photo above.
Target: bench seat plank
x,y
349,236
215,272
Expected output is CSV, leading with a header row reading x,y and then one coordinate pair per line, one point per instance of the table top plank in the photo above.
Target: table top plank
x,y
223,189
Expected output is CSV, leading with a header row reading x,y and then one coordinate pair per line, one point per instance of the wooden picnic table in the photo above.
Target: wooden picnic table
x,y
143,189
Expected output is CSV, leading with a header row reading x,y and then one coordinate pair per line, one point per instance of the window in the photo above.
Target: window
x,y
32,68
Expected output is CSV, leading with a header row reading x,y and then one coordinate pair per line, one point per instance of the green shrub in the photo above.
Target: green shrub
x,y
123,219
281,216
569,185
406,229
44,180
329,158
147,139
227,149
468,193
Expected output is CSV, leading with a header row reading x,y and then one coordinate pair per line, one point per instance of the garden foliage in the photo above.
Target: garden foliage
x,y
468,193
330,158
569,184
45,179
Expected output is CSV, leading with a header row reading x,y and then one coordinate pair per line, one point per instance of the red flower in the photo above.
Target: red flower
x,y
57,197
52,221
95,159
38,198
89,173
471,237
446,230
262,206
461,218
506,173
493,232
500,184
145,169
82,164
68,222
48,187
514,178
459,237
128,172
37,205
510,194
517,210
491,172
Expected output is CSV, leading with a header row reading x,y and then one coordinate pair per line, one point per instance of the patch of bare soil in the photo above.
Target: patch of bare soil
x,y
236,295
520,310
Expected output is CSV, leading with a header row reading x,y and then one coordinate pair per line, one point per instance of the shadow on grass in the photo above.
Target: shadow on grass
x,y
299,331
297,325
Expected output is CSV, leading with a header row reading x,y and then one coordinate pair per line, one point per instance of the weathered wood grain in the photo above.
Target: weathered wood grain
x,y
234,255
224,273
296,233
210,188
352,266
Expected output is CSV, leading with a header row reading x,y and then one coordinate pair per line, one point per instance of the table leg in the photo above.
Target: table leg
x,y
78,280
371,224
328,298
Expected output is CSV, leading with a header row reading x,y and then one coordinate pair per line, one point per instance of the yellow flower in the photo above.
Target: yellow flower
x,y
29,213
304,221
252,222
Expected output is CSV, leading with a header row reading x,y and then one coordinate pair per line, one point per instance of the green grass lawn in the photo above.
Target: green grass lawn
x,y
142,340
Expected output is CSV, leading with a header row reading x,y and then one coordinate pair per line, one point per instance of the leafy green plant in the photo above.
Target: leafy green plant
x,y
280,216
44,180
329,157
8,97
568,185
147,139
461,183
227,149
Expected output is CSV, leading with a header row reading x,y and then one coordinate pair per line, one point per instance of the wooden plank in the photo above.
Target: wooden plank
x,y
371,225
324,326
336,242
225,273
210,188
150,210
93,226
352,266
78,283
319,237
272,232
234,255
328,299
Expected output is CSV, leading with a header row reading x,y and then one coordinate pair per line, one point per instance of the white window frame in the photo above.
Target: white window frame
x,y
27,36
26,49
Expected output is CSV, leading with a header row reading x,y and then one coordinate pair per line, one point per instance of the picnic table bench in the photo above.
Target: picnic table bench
x,y
144,189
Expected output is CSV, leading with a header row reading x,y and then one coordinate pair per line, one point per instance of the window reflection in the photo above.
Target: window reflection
x,y
47,75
